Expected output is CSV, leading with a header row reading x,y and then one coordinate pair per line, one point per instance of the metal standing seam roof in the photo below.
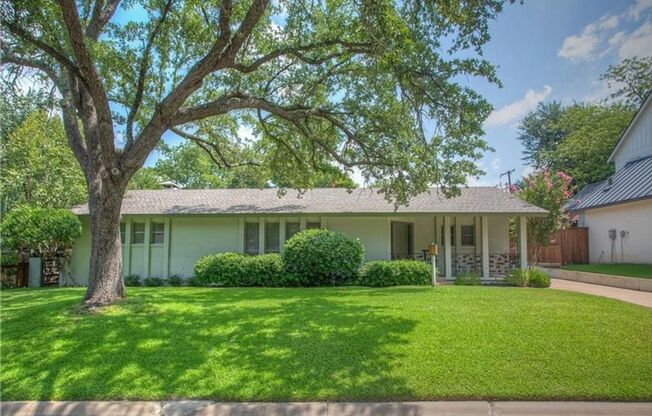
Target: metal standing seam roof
x,y
473,200
632,182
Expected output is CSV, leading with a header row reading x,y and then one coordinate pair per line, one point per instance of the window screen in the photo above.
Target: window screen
x,y
122,232
313,225
272,238
291,228
468,235
138,233
158,233
252,242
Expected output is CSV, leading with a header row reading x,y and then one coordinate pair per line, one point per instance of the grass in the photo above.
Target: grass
x,y
621,269
326,344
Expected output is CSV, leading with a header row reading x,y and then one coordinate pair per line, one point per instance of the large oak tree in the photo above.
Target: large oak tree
x,y
373,85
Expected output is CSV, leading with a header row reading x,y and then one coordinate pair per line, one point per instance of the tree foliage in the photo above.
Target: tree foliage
x,y
46,231
591,133
540,133
38,167
632,79
549,191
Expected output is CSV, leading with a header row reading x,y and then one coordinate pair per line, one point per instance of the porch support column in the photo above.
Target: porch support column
x,y
447,247
485,247
281,234
522,242
261,236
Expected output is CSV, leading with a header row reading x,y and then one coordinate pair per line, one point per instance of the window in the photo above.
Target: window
x,y
313,225
138,233
291,228
272,238
158,233
468,235
122,233
452,235
252,236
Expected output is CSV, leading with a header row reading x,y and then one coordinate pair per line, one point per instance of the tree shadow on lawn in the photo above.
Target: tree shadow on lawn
x,y
225,344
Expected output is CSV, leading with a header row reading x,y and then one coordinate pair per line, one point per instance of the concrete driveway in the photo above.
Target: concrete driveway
x,y
626,295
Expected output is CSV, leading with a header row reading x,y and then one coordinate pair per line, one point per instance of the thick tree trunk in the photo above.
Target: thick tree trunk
x,y
105,283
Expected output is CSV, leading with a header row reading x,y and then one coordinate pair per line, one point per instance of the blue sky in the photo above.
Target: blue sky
x,y
548,50
553,50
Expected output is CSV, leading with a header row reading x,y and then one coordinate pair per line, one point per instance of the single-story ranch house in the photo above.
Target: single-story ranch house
x,y
164,232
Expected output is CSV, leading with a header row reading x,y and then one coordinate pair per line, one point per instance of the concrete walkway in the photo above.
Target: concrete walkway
x,y
627,295
208,408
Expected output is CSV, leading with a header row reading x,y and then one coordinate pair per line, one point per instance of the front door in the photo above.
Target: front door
x,y
402,240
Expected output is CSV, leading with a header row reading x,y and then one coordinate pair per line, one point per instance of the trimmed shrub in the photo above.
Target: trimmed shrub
x,y
323,258
175,280
132,280
538,278
153,281
234,269
193,281
382,273
517,277
467,279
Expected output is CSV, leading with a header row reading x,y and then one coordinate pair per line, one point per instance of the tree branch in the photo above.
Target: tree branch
x,y
100,17
142,72
9,58
205,144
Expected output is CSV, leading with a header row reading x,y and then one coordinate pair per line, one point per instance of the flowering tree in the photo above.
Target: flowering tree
x,y
549,191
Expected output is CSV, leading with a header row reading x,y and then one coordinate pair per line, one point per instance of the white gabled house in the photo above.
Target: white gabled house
x,y
618,210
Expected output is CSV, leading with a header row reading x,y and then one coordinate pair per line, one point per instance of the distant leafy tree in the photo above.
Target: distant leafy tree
x,y
15,106
550,191
37,166
146,178
632,79
591,133
540,133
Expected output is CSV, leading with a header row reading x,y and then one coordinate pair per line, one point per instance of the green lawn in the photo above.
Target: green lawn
x,y
329,343
622,269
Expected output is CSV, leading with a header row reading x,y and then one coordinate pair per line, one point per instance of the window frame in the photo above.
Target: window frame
x,y
123,233
266,249
155,233
472,234
135,232
288,235
247,226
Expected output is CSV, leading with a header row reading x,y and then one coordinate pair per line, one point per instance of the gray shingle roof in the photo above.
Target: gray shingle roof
x,y
478,200
632,182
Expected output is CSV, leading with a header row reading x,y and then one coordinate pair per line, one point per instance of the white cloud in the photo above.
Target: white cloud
x,y
584,45
637,9
512,112
638,43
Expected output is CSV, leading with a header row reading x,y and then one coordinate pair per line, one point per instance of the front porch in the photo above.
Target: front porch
x,y
467,244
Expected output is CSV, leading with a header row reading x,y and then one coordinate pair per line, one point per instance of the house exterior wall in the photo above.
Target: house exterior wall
x,y
638,143
635,218
187,238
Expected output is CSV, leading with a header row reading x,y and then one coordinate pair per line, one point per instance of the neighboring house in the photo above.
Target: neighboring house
x,y
618,210
164,232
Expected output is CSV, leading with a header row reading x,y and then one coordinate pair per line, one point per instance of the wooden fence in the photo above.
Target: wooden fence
x,y
567,246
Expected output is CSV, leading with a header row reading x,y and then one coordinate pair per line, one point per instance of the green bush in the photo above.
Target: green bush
x,y
468,279
175,280
322,258
153,281
538,278
395,273
193,281
517,277
528,277
132,280
234,269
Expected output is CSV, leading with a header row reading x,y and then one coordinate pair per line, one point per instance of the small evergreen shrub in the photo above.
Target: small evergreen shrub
x,y
467,279
153,281
538,278
193,281
175,280
382,273
234,269
322,258
132,280
517,277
